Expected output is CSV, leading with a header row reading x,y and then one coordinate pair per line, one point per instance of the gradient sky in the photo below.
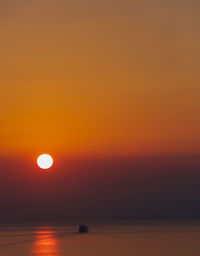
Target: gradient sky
x,y
111,90
99,77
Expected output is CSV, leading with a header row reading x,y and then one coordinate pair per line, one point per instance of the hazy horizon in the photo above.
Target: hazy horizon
x,y
143,188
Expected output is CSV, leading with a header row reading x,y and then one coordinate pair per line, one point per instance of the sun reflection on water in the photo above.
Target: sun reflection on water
x,y
45,243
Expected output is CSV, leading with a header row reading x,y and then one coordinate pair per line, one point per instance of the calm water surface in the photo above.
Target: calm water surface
x,y
137,240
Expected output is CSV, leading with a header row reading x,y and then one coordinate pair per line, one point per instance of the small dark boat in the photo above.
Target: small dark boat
x,y
83,228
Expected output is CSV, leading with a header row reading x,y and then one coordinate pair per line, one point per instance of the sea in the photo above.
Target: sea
x,y
133,239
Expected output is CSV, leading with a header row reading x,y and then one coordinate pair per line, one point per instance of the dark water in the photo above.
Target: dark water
x,y
137,240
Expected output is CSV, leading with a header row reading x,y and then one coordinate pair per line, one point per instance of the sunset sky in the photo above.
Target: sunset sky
x,y
99,77
111,90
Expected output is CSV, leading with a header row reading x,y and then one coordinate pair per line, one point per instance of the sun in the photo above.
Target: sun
x,y
45,161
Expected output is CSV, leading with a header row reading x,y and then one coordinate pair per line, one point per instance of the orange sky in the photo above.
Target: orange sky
x,y
99,77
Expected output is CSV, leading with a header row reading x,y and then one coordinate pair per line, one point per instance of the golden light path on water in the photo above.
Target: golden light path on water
x,y
45,243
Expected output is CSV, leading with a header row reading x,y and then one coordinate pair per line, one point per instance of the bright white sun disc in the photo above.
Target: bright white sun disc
x,y
45,161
